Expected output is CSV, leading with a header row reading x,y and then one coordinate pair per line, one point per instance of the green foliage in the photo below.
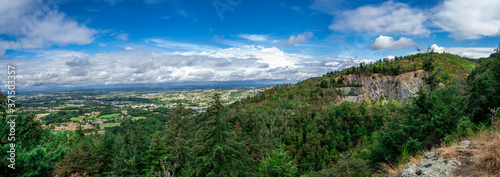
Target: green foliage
x,y
156,152
36,149
83,158
218,152
347,166
428,65
169,154
278,163
484,89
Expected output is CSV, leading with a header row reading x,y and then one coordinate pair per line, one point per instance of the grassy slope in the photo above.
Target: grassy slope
x,y
451,66
457,67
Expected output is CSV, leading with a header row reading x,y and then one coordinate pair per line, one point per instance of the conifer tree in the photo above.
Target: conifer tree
x,y
218,151
177,143
82,159
156,153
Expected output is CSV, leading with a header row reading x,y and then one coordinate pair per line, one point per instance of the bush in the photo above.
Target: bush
x,y
347,166
277,163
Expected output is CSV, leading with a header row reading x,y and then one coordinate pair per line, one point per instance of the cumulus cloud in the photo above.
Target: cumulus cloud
x,y
35,25
63,68
386,18
387,42
253,37
299,39
78,66
471,52
463,19
436,48
466,19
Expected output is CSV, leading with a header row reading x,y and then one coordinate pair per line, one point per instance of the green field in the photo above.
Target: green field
x,y
76,119
105,116
104,125
66,107
137,118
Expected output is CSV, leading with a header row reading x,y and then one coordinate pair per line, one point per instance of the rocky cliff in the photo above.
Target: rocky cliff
x,y
380,86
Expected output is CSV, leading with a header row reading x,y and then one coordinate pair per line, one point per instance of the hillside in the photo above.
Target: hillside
x,y
405,107
385,121
396,79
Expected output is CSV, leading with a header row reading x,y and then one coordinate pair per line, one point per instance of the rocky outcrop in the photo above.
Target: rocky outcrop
x,y
378,86
435,163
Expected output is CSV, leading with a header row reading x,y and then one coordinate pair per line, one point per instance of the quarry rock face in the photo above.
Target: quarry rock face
x,y
379,87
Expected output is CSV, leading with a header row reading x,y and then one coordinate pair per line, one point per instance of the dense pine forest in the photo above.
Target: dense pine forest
x,y
289,130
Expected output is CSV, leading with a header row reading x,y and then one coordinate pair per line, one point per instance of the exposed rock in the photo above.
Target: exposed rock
x,y
351,90
380,86
433,164
463,144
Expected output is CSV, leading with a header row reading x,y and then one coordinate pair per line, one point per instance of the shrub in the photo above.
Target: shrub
x,y
347,166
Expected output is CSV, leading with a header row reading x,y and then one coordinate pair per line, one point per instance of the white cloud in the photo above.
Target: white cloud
x,y
299,39
436,48
35,25
387,18
62,68
471,52
387,42
253,37
466,19
122,36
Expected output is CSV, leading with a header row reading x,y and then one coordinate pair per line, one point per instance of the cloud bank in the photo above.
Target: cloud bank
x,y
64,68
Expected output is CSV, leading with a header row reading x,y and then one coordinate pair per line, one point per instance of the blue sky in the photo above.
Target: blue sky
x,y
85,43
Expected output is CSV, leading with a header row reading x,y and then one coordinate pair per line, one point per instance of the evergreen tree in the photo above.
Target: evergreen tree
x,y
323,84
156,153
176,144
218,151
278,163
82,159
126,158
428,66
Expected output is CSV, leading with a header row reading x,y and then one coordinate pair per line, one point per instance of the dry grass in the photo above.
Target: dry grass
x,y
488,159
448,153
481,159
394,168
485,156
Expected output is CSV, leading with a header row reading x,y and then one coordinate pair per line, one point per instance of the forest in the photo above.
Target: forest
x,y
288,130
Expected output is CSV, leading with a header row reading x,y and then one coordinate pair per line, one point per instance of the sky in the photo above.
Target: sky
x,y
105,43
